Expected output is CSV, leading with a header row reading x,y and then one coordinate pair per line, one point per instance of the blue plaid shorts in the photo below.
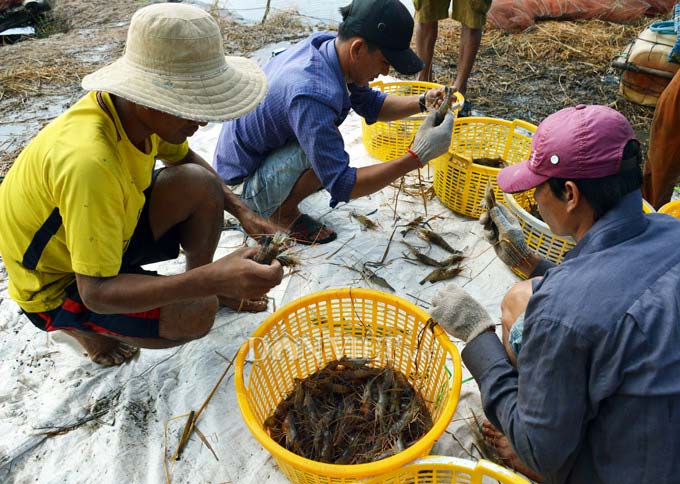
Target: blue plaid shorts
x,y
515,336
265,190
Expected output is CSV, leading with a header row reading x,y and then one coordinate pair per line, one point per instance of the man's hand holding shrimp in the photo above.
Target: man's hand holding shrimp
x,y
244,278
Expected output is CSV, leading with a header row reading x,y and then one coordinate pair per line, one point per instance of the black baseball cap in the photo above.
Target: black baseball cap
x,y
388,25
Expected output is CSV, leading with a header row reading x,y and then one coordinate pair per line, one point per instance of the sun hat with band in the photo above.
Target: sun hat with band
x,y
174,62
573,143
389,26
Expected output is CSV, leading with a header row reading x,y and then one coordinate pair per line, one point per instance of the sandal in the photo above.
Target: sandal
x,y
305,230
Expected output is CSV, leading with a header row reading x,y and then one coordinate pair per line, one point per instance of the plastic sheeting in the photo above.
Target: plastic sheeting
x,y
108,425
517,15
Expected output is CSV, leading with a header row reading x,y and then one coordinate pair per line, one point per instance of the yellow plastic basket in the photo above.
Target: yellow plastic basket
x,y
303,336
448,470
537,234
458,182
389,140
671,208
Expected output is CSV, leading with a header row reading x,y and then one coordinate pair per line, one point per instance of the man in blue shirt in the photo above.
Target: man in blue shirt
x,y
594,397
290,146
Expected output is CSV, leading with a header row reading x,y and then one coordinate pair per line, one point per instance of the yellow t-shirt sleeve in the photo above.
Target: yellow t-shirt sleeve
x,y
91,212
171,153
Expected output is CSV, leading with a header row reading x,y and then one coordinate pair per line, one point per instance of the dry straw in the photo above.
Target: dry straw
x,y
550,66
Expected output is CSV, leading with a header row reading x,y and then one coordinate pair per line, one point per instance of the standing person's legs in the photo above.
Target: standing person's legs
x,y
427,17
275,190
470,39
662,163
472,16
426,38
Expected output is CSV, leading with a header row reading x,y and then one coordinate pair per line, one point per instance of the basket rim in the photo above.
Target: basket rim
x,y
669,208
531,220
379,82
430,462
369,469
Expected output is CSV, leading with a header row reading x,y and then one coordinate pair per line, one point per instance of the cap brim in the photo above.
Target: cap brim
x,y
221,96
518,178
404,61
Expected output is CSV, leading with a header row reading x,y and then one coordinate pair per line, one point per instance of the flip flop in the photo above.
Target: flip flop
x,y
305,230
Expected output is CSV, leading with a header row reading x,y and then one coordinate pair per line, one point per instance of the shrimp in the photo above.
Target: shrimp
x,y
428,261
270,249
442,274
363,220
436,239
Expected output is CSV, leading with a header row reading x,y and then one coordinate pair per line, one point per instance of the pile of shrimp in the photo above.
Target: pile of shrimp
x,y
350,413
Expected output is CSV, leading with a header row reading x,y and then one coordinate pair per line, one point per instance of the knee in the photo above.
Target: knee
x,y
196,183
515,302
199,329
193,321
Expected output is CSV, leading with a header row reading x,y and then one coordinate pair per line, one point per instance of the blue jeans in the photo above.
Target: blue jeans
x,y
267,188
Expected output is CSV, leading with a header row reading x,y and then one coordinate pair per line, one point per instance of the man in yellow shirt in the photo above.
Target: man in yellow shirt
x,y
82,209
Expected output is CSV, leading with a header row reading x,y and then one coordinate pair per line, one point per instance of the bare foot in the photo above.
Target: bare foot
x,y
104,350
500,442
244,305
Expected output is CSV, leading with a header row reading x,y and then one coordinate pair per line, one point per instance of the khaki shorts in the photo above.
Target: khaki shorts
x,y
471,13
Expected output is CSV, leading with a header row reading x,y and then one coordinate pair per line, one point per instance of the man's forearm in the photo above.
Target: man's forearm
x,y
132,293
398,107
372,178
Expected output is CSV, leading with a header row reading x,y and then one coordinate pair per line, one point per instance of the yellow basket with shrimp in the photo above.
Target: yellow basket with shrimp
x,y
449,470
460,177
537,234
305,335
389,140
671,208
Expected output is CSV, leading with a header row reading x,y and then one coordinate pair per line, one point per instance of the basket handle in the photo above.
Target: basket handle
x,y
487,468
377,85
518,123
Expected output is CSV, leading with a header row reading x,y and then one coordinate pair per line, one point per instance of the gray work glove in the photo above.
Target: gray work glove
x,y
503,231
432,141
459,314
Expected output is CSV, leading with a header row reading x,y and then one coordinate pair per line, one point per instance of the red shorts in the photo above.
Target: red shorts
x,y
73,314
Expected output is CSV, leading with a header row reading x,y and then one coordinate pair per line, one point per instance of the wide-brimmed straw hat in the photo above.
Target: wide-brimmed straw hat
x,y
174,62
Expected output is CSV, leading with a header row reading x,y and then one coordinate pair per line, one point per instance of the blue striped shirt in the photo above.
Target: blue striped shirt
x,y
307,100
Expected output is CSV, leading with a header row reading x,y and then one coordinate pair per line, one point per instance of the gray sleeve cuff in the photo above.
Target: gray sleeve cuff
x,y
483,352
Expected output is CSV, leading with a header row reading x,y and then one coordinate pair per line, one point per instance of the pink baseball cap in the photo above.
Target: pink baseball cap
x,y
574,143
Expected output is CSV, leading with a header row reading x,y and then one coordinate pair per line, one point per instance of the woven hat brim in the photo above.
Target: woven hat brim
x,y
218,97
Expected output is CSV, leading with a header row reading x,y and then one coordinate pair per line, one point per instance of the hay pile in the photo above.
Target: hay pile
x,y
550,66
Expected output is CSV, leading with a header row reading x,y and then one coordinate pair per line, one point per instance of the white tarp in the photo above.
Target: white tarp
x,y
113,419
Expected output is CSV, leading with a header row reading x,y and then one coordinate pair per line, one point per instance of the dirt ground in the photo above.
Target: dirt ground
x,y
525,76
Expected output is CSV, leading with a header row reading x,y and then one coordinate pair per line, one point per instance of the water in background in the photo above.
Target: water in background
x,y
317,11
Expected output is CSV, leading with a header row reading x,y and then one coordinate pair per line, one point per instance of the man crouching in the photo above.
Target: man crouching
x,y
82,209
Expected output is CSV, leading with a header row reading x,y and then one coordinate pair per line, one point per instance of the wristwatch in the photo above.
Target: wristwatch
x,y
421,103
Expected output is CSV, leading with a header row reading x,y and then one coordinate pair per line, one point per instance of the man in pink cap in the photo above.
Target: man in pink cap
x,y
594,392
